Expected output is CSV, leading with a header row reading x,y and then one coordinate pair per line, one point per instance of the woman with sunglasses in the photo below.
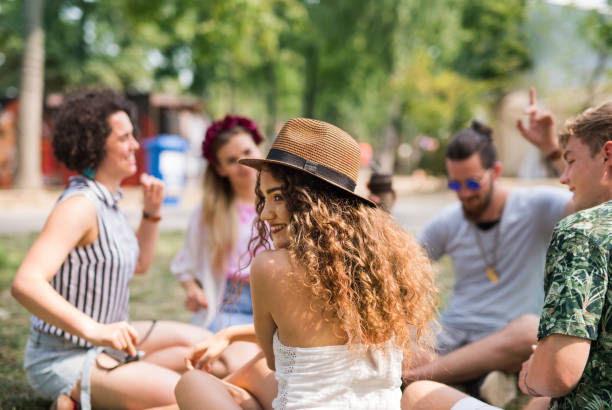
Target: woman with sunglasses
x,y
339,296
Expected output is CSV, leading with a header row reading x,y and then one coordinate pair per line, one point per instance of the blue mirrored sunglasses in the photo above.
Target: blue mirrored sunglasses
x,y
471,184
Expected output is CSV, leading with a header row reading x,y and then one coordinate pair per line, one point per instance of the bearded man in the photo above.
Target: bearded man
x,y
497,239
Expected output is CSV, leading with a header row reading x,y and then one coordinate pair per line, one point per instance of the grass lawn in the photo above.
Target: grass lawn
x,y
154,295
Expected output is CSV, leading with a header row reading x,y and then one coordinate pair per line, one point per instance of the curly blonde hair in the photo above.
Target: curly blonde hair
x,y
365,270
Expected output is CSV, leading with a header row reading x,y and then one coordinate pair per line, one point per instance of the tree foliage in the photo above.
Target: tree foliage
x,y
597,30
493,42
412,66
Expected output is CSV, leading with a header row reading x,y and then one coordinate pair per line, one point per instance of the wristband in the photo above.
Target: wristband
x,y
531,392
150,217
554,155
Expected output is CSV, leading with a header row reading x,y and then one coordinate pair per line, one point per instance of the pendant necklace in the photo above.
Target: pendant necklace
x,y
491,272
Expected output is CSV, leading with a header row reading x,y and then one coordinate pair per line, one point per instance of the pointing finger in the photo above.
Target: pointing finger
x,y
130,348
532,96
133,334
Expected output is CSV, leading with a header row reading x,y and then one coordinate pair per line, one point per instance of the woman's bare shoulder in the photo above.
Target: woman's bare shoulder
x,y
271,263
76,215
275,269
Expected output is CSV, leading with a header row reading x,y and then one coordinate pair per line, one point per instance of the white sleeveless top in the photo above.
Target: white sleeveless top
x,y
334,377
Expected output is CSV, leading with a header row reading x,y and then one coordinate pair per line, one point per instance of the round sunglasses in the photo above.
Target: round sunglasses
x,y
473,184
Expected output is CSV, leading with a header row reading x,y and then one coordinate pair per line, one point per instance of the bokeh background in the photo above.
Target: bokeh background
x,y
399,75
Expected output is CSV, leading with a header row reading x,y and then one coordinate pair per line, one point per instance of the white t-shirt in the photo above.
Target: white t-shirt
x,y
477,304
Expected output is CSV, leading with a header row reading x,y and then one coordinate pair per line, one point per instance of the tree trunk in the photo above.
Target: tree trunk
x,y
31,97
271,97
386,157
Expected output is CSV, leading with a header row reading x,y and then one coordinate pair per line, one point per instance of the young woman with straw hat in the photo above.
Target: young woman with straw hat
x,y
338,299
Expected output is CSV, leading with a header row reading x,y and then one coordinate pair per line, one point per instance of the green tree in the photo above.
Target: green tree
x,y
493,43
11,45
597,30
386,71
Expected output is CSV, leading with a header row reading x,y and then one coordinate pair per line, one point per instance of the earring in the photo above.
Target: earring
x,y
89,172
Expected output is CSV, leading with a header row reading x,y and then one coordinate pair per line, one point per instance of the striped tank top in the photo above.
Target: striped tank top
x,y
95,278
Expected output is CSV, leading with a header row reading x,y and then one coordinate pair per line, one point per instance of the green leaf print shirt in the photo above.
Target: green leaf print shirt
x,y
579,300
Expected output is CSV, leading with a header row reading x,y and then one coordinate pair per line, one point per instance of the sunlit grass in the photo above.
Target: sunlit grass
x,y
154,295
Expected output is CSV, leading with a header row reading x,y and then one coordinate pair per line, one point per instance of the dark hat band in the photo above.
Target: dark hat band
x,y
312,167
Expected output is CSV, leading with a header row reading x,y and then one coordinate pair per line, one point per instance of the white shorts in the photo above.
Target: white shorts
x,y
470,403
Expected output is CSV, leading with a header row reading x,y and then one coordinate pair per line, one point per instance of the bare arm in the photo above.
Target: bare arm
x,y
540,131
148,231
70,224
263,271
556,366
195,298
210,349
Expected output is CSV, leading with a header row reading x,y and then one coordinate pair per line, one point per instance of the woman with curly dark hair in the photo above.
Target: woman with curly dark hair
x,y
340,300
74,279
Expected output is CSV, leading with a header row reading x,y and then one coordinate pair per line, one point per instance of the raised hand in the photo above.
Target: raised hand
x,y
118,335
540,130
207,351
152,194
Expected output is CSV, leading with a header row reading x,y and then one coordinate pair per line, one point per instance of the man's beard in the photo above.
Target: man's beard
x,y
474,214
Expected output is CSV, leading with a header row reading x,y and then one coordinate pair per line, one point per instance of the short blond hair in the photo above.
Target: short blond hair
x,y
593,127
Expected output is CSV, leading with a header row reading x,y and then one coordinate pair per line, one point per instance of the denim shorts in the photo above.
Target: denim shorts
x,y
450,338
237,308
53,366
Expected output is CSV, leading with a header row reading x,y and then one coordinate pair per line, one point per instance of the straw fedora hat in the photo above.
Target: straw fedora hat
x,y
319,149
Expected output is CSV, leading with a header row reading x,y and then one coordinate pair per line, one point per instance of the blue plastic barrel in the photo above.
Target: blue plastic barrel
x,y
166,160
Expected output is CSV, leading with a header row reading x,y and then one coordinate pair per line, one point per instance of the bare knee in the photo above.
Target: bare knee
x,y
238,354
426,394
187,381
136,385
522,332
196,390
185,389
415,392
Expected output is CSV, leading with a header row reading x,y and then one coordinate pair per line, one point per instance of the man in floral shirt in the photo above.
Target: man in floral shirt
x,y
578,304
573,360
